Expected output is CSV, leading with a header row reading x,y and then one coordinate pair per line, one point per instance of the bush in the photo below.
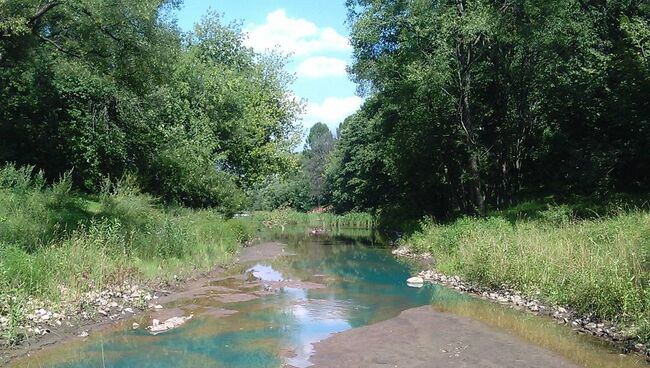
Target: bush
x,y
288,217
277,193
187,175
53,239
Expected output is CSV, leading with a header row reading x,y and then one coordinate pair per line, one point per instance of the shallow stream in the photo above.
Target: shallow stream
x,y
270,313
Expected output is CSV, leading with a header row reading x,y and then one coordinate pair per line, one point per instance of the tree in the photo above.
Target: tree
x,y
318,147
479,103
104,87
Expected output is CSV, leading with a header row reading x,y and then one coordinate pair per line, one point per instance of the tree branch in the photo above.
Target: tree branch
x,y
56,45
101,27
41,12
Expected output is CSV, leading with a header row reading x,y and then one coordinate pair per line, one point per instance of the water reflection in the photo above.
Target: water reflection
x,y
331,284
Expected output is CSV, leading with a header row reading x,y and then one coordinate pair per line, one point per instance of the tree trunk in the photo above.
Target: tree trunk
x,y
464,58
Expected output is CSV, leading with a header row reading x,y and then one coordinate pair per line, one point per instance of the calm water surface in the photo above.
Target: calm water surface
x,y
350,280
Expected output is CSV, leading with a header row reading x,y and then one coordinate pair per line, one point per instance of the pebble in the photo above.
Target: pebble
x,y
157,327
505,295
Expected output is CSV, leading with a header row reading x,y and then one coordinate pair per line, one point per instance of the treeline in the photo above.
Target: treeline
x,y
100,88
476,104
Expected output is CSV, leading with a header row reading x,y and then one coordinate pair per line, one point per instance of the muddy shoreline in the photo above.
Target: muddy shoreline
x,y
507,297
423,337
80,326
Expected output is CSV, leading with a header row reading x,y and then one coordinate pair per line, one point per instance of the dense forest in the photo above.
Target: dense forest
x,y
475,104
103,88
470,105
478,105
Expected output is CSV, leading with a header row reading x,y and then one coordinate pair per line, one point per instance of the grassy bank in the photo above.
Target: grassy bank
x,y
56,245
598,265
326,220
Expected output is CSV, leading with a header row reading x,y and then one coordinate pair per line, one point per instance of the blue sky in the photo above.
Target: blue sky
x,y
313,31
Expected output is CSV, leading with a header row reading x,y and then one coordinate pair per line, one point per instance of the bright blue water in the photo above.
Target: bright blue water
x,y
363,282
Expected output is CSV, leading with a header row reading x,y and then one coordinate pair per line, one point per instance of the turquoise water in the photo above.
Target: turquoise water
x,y
362,283
332,283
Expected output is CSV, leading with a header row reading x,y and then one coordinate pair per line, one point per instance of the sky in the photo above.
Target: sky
x,y
312,31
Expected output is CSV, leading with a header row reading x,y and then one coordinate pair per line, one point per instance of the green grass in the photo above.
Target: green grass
x,y
327,220
597,265
56,244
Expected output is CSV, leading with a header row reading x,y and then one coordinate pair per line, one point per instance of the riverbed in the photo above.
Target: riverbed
x,y
337,299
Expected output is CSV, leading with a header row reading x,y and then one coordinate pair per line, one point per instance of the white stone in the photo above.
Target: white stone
x,y
416,281
169,324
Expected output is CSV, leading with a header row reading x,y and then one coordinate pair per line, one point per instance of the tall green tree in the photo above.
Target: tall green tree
x,y
318,147
477,103
102,87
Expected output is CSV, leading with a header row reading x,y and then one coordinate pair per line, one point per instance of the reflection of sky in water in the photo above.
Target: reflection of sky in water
x,y
265,273
364,285
316,321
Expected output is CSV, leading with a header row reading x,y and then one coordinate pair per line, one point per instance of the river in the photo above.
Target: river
x,y
270,313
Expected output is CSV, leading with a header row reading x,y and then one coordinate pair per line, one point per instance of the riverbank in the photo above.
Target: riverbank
x,y
67,257
428,337
589,273
121,307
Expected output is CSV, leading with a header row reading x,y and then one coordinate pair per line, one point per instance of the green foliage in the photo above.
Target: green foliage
x,y
280,193
325,220
474,104
356,173
56,244
187,175
318,147
595,266
99,88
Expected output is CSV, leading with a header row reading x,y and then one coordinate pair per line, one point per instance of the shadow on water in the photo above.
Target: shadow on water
x,y
277,310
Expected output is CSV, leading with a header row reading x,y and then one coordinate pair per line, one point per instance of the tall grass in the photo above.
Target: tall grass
x,y
598,266
326,220
56,244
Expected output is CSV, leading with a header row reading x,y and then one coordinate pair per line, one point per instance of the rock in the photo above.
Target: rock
x,y
169,324
158,306
135,325
83,334
415,281
128,310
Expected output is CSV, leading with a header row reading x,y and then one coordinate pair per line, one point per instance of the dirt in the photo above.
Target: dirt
x,y
261,252
421,337
201,285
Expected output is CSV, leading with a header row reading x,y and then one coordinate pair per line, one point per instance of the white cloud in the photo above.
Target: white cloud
x,y
332,111
294,35
321,66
